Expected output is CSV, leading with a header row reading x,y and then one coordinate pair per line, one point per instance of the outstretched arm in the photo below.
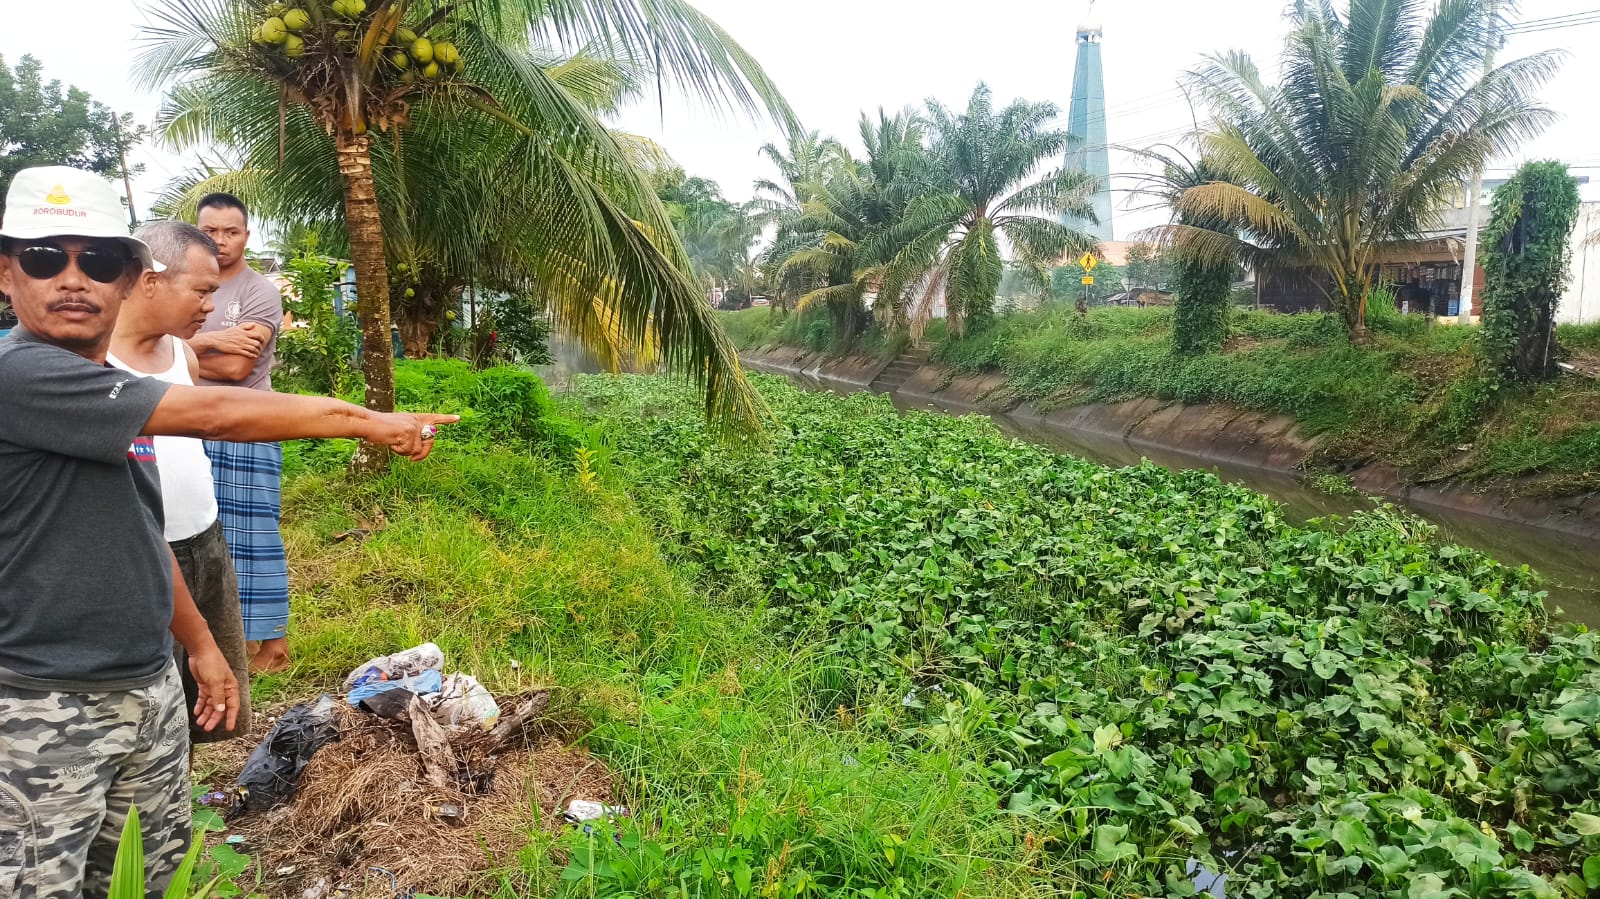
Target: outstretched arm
x,y
252,416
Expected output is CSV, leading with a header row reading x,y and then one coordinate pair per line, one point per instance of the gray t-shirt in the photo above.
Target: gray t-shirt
x,y
85,575
247,297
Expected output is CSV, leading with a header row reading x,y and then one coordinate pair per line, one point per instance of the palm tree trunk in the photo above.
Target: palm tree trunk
x,y
365,228
1352,302
416,335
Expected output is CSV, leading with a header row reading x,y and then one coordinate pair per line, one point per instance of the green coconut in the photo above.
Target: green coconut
x,y
272,31
445,53
296,19
431,71
399,59
294,46
422,50
404,36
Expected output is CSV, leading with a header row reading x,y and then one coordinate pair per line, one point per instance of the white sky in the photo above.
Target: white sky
x,y
835,58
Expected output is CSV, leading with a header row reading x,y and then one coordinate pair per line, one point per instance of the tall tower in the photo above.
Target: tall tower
x,y
1086,121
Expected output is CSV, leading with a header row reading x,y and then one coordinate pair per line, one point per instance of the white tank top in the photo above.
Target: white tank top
x,y
187,493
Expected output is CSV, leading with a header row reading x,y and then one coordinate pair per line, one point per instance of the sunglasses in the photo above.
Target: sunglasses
x,y
104,264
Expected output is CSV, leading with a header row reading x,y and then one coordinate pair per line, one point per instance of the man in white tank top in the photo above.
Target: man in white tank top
x,y
165,309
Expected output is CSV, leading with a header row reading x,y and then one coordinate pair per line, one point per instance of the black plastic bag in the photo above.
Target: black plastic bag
x,y
272,772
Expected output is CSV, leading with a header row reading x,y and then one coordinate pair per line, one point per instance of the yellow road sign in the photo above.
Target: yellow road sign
x,y
1088,262
1088,279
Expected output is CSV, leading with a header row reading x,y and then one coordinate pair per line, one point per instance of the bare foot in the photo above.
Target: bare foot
x,y
273,655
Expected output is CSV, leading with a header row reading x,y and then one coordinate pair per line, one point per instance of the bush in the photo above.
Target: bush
x,y
1525,261
754,327
505,405
511,328
1203,307
318,354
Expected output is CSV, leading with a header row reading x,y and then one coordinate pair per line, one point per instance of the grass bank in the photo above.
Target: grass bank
x,y
1149,669
1409,397
520,548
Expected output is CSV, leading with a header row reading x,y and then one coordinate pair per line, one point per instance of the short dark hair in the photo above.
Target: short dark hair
x,y
170,242
222,201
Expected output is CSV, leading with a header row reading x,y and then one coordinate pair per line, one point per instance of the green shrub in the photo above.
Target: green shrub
x,y
509,405
1525,260
754,327
318,354
511,328
1204,305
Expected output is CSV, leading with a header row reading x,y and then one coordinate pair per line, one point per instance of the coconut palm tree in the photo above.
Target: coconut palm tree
x,y
977,188
453,214
1379,116
349,67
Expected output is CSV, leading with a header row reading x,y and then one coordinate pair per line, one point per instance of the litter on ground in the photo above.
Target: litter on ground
x,y
434,789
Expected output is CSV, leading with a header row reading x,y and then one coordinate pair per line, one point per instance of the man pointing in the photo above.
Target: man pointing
x,y
92,718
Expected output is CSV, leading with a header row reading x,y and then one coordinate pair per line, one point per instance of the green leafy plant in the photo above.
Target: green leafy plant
x,y
511,328
318,354
127,873
1525,261
1334,484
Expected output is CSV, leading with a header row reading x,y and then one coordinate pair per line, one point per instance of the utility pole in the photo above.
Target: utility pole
x,y
1469,260
122,157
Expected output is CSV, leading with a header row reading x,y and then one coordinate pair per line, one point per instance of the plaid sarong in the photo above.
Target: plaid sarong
x,y
247,477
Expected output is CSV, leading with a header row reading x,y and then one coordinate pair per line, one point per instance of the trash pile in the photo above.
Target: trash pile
x,y
426,776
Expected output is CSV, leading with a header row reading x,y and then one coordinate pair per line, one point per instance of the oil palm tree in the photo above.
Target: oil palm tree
x,y
806,160
977,187
351,68
835,242
717,233
1379,116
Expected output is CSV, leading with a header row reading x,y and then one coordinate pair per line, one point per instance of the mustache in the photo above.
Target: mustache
x,y
76,300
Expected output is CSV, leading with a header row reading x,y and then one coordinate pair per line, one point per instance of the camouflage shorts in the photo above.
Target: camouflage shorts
x,y
71,764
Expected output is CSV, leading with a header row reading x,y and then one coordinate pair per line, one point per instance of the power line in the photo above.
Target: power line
x,y
1552,20
1522,31
1555,23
